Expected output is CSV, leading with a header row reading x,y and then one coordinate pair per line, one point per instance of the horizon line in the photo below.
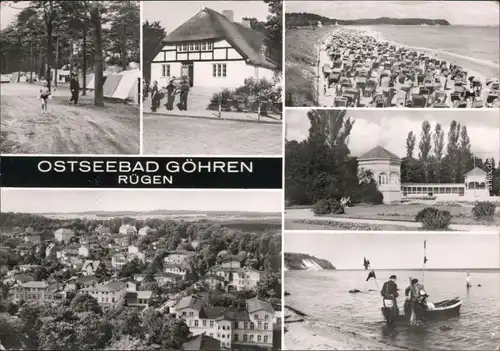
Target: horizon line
x,y
114,211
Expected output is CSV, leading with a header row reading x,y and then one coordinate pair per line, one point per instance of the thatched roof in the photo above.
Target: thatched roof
x,y
211,25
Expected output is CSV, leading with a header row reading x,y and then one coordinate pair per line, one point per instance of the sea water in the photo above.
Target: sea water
x,y
324,296
473,47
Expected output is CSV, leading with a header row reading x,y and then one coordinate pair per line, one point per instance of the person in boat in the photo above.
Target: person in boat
x,y
416,294
390,291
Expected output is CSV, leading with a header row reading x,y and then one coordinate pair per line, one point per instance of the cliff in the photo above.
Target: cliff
x,y
311,20
297,261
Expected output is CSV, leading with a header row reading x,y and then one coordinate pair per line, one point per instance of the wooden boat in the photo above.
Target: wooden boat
x,y
440,310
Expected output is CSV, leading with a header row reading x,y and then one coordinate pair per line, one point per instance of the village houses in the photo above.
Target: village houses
x,y
250,326
63,234
109,294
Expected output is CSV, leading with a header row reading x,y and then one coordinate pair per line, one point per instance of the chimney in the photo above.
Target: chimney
x,y
229,14
246,23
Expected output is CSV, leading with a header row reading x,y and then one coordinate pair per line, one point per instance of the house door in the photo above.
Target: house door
x,y
187,71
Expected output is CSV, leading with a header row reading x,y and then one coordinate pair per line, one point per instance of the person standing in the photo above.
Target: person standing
x,y
74,86
390,291
468,280
171,91
416,293
184,91
154,96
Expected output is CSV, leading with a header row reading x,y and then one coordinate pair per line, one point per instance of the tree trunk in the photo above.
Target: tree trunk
x,y
18,65
48,22
57,62
84,68
95,19
71,57
31,61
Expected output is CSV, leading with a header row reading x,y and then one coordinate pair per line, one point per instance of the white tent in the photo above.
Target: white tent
x,y
127,87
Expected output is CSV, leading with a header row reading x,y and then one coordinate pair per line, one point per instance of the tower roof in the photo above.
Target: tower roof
x,y
379,152
476,171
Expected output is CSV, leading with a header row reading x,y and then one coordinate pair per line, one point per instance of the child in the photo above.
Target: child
x,y
44,95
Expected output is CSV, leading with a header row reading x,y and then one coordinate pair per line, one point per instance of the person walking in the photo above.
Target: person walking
x,y
44,95
74,87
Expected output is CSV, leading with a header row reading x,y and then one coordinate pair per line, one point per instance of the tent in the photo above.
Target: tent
x,y
123,86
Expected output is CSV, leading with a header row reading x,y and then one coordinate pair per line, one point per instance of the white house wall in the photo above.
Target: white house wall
x,y
237,68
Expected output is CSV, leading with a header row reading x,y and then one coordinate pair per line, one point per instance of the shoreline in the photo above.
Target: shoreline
x,y
360,52
305,334
440,54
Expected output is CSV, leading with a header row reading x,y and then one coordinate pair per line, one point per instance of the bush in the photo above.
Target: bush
x,y
324,206
433,219
484,210
371,195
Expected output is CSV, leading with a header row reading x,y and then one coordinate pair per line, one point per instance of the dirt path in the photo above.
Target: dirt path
x,y
65,129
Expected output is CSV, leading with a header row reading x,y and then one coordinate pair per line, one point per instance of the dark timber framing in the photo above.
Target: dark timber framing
x,y
177,53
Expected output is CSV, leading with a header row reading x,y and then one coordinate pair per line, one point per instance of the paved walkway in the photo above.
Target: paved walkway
x,y
168,135
214,115
307,214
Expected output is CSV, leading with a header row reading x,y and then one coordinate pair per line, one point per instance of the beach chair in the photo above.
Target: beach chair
x,y
440,105
361,82
455,96
440,96
340,102
477,104
462,104
419,101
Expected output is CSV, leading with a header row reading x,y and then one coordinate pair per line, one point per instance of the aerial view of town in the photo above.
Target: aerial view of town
x,y
140,279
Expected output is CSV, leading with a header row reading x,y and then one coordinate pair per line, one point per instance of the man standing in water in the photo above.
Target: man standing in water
x,y
414,291
468,280
390,291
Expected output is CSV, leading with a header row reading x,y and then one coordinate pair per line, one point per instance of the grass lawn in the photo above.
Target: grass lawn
x,y
301,48
407,212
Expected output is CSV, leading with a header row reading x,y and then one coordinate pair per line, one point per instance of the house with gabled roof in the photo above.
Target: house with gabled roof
x,y
212,50
89,267
244,327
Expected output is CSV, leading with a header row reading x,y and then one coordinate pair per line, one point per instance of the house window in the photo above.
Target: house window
x,y
191,314
204,322
211,324
203,46
184,47
196,323
165,70
245,326
210,45
265,338
256,316
266,326
252,326
184,314
259,338
259,325
235,337
197,46
191,46
266,317
251,337
219,70
245,337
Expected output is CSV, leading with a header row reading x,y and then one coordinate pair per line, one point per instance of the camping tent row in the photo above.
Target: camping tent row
x,y
120,86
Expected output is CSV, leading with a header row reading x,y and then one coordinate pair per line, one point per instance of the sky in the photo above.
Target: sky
x,y
398,250
389,129
180,11
456,12
70,200
8,12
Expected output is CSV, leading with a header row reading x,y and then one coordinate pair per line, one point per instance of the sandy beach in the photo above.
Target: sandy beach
x,y
301,333
359,68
